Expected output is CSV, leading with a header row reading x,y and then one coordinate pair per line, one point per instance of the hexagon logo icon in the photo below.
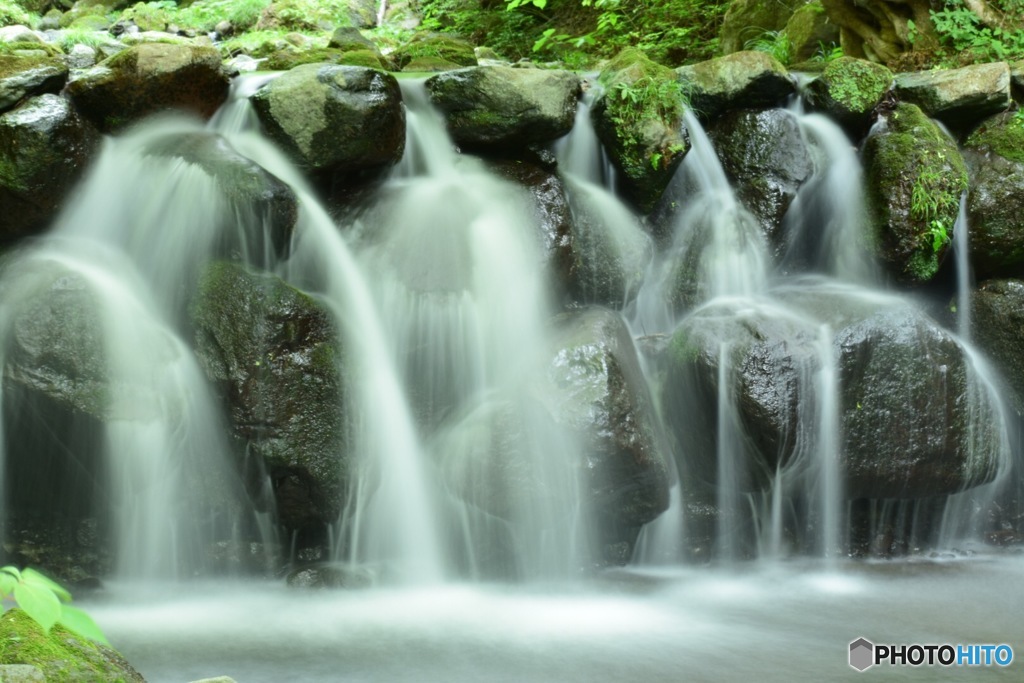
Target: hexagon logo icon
x,y
862,654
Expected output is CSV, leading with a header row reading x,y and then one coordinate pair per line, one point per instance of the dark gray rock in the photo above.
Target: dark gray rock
x,y
335,119
743,79
997,322
958,97
766,159
505,108
44,148
275,354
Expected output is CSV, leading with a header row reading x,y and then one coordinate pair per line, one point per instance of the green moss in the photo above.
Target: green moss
x,y
439,51
682,350
855,84
59,654
1003,135
916,177
11,13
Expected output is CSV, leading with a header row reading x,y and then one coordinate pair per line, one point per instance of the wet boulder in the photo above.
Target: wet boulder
x,y
994,153
44,149
997,322
274,353
766,158
917,420
639,121
27,71
498,107
958,97
149,78
848,90
743,79
55,346
598,392
334,119
257,198
767,358
914,178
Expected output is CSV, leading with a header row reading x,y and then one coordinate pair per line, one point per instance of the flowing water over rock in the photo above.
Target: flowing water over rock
x,y
710,394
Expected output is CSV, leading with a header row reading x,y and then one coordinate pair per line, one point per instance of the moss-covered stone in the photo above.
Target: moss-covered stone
x,y
808,29
915,177
148,78
283,60
333,118
639,120
28,72
747,79
442,52
60,654
746,20
958,97
1003,134
502,107
849,89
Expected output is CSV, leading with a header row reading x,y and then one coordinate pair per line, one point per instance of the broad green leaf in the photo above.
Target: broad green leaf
x,y
39,602
7,584
11,571
81,623
35,578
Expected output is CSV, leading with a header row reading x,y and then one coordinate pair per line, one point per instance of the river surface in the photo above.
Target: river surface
x,y
764,621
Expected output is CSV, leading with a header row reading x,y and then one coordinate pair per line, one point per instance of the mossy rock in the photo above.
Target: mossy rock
x,y
639,120
995,159
808,29
747,20
915,176
150,78
848,90
25,73
747,79
284,60
434,52
90,22
960,98
60,654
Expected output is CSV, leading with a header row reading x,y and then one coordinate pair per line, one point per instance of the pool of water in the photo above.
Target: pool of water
x,y
785,622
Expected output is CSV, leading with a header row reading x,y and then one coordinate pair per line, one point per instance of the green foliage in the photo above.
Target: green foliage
x,y
774,43
931,201
12,13
45,601
206,14
73,36
966,39
939,235
647,97
826,54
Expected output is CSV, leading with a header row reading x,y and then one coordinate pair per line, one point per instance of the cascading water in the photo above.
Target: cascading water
x,y
461,469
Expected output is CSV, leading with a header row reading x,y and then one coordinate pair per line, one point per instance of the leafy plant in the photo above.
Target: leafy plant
x,y
46,602
775,43
966,38
939,235
827,53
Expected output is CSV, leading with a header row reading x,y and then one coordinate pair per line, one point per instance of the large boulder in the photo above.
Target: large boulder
x,y
766,158
915,177
742,79
747,20
598,391
334,119
767,357
505,108
915,418
44,148
150,78
848,90
995,161
639,120
27,71
256,198
997,323
958,97
275,354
